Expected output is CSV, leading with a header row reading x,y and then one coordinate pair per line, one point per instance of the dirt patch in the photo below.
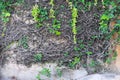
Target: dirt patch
x,y
115,66
117,62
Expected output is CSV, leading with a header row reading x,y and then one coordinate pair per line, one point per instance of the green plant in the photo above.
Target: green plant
x,y
89,5
109,14
92,63
23,42
94,37
43,14
95,2
6,7
75,3
104,22
117,29
35,13
38,77
59,72
80,46
74,62
5,15
110,59
52,13
86,5
89,53
74,21
55,27
83,1
51,3
76,48
38,57
55,23
39,15
70,4
66,54
62,6
102,2
46,72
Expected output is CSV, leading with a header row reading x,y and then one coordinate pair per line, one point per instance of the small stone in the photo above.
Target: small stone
x,y
32,21
29,22
35,38
32,46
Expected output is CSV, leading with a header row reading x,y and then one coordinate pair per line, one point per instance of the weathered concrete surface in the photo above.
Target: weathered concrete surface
x,y
20,72
106,76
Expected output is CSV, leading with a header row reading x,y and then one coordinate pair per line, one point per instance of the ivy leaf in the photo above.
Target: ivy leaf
x,y
38,57
89,53
58,26
45,72
105,17
111,15
118,21
57,33
7,14
83,1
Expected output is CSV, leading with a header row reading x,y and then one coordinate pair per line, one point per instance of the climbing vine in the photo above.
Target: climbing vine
x,y
55,23
6,7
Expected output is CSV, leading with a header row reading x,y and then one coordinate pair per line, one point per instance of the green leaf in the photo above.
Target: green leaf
x,y
109,60
83,1
57,33
76,48
74,62
118,21
38,77
105,17
23,42
52,13
7,14
89,53
111,15
66,54
59,72
38,57
58,26
45,72
92,63
74,12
